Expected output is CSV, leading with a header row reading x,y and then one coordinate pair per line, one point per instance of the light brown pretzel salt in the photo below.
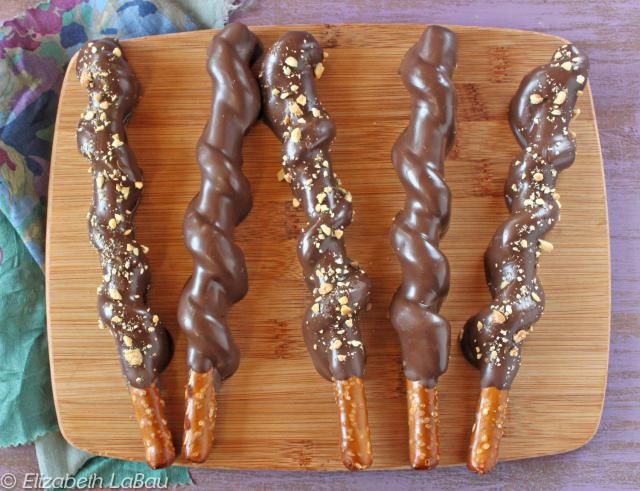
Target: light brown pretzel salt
x,y
424,421
487,430
149,410
200,416
355,441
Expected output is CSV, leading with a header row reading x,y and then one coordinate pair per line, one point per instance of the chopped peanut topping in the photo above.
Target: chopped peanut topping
x,y
133,357
296,135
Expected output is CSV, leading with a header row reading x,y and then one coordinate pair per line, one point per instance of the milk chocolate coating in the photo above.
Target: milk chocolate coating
x,y
340,288
540,113
219,276
418,157
144,344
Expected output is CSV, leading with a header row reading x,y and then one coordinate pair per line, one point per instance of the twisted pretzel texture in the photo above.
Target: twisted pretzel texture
x,y
219,277
340,288
492,340
144,344
418,157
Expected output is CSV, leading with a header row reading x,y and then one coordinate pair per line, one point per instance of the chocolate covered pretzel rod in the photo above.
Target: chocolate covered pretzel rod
x,y
219,276
540,113
340,288
144,344
418,157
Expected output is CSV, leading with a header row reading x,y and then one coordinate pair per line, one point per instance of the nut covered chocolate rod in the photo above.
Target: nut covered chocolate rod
x,y
540,113
219,276
340,287
144,344
418,157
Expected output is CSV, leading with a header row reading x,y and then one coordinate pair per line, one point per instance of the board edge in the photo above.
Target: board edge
x,y
68,73
47,262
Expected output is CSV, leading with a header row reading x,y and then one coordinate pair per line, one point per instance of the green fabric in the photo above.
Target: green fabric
x,y
131,475
57,458
24,414
28,414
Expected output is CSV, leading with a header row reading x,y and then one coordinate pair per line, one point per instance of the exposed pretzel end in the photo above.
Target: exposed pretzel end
x,y
354,424
424,425
487,430
200,416
149,410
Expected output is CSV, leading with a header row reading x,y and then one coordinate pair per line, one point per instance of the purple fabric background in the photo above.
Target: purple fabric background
x,y
608,31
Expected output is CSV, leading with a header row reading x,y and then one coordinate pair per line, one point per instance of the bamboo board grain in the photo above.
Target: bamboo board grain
x,y
276,412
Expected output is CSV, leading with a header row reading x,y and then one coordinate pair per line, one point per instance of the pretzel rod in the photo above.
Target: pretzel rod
x,y
219,277
492,340
418,157
144,344
355,441
424,425
487,430
340,288
200,416
149,411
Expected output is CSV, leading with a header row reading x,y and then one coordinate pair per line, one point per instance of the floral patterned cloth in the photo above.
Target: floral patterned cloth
x,y
34,51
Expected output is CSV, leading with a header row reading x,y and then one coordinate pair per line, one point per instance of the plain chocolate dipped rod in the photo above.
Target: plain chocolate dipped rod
x,y
540,113
340,287
144,344
219,276
418,157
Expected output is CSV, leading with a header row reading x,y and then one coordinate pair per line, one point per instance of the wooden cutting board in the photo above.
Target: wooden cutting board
x,y
276,412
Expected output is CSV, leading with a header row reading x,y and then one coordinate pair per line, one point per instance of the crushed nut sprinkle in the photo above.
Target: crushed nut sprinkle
x,y
333,278
325,288
115,294
545,103
545,246
336,344
536,98
116,141
296,135
291,61
133,357
498,317
101,131
560,97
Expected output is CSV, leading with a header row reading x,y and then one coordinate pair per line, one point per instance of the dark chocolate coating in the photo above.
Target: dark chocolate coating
x,y
418,157
219,276
144,344
540,113
340,288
